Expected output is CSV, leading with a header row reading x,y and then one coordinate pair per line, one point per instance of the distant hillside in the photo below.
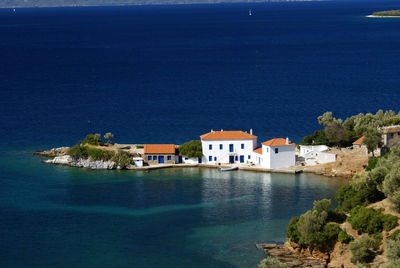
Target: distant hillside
x,y
69,3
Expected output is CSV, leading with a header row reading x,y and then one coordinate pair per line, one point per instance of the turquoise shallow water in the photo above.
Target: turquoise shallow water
x,y
55,216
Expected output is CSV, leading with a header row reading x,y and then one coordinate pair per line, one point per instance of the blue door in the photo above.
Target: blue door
x,y
231,159
242,159
161,159
231,148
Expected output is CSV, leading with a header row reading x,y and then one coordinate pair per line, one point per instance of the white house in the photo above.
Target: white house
x,y
228,146
307,151
275,153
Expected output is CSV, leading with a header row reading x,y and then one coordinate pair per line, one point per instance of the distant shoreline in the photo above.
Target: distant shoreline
x,y
374,16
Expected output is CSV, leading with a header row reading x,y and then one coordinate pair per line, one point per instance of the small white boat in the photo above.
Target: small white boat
x,y
228,169
13,9
250,12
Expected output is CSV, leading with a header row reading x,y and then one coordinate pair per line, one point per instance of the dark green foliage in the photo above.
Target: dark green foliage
x,y
98,154
389,222
362,249
92,139
336,216
292,229
369,220
373,139
331,232
191,149
349,198
78,151
372,163
344,237
391,183
395,235
317,138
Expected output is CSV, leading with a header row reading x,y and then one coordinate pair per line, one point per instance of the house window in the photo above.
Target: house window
x,y
149,157
155,157
242,146
276,150
215,158
186,158
210,146
248,157
169,157
236,158
210,158
391,135
267,149
221,147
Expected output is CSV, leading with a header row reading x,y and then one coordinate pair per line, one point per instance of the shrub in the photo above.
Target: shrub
x,y
372,163
349,198
92,139
271,262
122,159
191,149
99,154
391,186
78,151
393,249
292,230
392,264
336,216
317,138
395,235
361,250
344,237
331,232
389,222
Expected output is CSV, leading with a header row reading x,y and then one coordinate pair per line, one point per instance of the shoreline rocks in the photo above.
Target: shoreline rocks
x,y
81,163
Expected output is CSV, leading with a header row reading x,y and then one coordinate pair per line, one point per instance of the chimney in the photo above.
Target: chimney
x,y
251,131
287,140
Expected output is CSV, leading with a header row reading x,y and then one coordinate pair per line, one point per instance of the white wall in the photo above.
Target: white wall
x,y
284,158
222,156
305,149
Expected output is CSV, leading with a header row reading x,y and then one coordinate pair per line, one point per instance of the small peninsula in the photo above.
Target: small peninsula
x,y
387,14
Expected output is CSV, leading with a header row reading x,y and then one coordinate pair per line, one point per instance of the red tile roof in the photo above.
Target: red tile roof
x,y
278,142
359,141
227,135
159,148
258,150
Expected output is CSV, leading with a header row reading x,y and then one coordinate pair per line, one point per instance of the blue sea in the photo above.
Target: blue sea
x,y
167,74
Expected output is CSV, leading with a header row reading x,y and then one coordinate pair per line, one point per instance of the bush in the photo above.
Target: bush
x,y
92,139
78,151
271,262
361,250
392,264
191,149
349,198
292,230
317,138
372,163
391,186
393,246
98,154
336,216
344,237
369,220
389,222
122,159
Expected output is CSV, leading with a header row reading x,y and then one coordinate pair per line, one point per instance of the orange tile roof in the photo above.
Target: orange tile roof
x,y
359,141
227,135
258,150
278,142
159,148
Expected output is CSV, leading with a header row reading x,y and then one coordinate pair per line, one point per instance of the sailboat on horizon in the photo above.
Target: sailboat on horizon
x,y
250,13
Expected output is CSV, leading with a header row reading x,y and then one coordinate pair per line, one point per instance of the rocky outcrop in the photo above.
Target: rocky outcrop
x,y
82,163
61,151
293,256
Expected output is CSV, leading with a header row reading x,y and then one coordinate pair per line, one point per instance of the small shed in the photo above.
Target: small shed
x,y
137,161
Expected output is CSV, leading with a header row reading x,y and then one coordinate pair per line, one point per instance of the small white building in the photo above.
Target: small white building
x,y
276,153
223,147
307,151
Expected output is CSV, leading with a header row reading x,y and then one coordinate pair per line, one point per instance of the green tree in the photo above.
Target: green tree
x,y
362,250
373,140
327,119
191,149
391,185
108,136
92,139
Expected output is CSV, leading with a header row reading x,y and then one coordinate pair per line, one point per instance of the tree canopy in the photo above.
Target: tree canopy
x,y
191,149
